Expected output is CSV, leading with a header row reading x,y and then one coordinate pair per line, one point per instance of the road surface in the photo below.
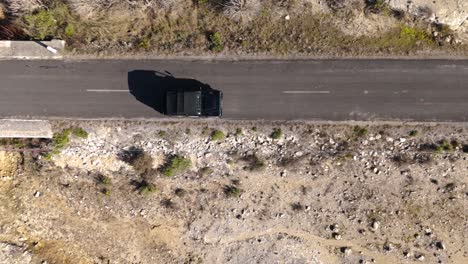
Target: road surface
x,y
417,90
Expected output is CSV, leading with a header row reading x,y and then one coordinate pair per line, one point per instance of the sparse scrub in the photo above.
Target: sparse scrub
x,y
254,163
359,132
162,133
238,132
254,129
179,192
140,160
176,165
205,171
232,191
413,133
241,10
217,135
168,203
102,179
146,188
378,6
79,132
276,134
216,42
297,206
106,191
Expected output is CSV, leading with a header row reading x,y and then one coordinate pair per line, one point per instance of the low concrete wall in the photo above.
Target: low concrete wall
x,y
10,128
31,49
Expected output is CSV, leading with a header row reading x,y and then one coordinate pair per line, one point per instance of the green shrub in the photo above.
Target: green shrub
x,y
205,171
146,188
238,132
232,191
42,24
176,165
413,133
140,160
162,133
69,30
80,132
254,129
106,191
102,179
216,42
359,131
254,163
217,135
276,134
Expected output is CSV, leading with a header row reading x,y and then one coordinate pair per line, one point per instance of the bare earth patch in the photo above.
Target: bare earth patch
x,y
315,193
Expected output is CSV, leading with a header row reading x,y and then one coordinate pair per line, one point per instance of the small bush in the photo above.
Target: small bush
x,y
69,30
176,165
254,163
106,191
162,133
216,42
217,135
205,171
465,148
146,188
444,145
413,133
42,24
179,192
141,161
276,134
359,131
168,203
80,132
254,129
297,206
378,6
238,132
232,191
102,179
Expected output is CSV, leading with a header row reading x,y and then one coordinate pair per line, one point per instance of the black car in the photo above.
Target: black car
x,y
189,97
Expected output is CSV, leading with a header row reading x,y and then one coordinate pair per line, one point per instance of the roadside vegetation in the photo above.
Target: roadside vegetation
x,y
232,27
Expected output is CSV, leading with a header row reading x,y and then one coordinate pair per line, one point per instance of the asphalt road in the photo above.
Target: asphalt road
x,y
417,90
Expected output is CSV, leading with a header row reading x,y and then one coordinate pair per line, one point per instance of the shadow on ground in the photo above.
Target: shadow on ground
x,y
150,87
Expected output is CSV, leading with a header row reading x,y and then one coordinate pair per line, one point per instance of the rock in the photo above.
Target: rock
x,y
37,194
388,247
375,225
420,257
346,250
389,139
402,140
336,236
440,245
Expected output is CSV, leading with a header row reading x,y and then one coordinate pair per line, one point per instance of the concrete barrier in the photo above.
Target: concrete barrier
x,y
11,128
31,49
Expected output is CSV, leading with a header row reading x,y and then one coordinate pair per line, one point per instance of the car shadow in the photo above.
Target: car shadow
x,y
150,87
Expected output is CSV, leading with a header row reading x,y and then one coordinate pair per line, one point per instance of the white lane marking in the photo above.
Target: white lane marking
x,y
306,92
107,91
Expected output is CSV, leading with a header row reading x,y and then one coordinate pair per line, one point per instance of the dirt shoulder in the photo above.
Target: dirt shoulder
x,y
238,192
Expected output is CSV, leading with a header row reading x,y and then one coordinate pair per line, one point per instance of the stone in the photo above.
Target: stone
x,y
440,245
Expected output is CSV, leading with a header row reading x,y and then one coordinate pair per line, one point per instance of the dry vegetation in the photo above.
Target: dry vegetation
x,y
292,27
319,193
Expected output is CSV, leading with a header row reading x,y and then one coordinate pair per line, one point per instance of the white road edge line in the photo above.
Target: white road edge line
x,y
107,91
306,92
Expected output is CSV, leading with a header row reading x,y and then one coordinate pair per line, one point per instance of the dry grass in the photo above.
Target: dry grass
x,y
111,27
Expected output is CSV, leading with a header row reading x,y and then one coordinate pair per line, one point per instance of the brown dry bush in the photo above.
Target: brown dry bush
x,y
20,7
